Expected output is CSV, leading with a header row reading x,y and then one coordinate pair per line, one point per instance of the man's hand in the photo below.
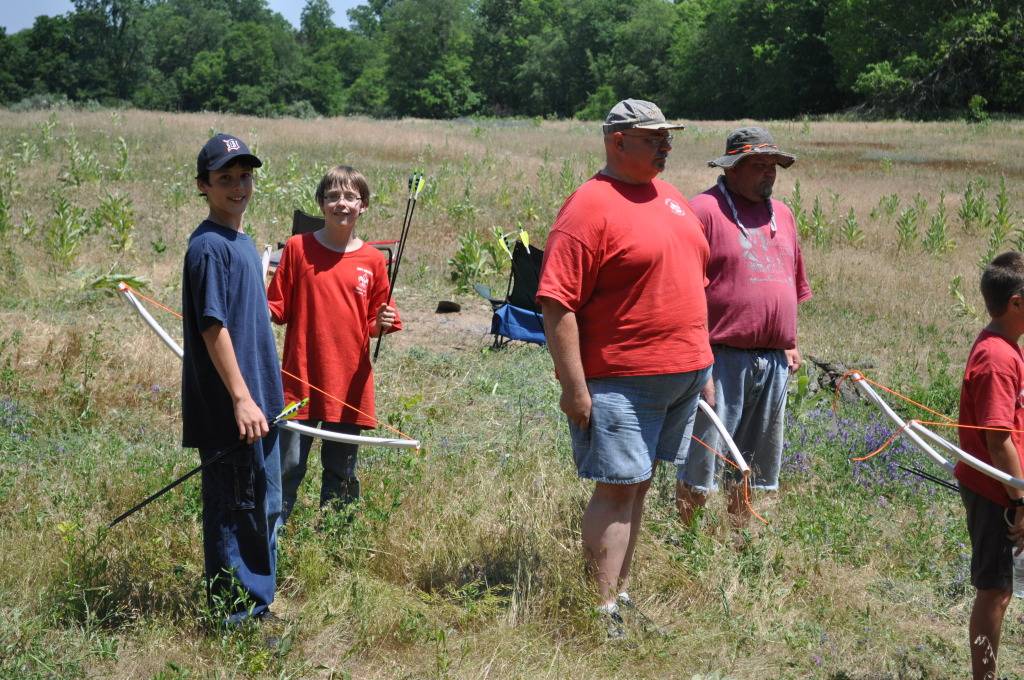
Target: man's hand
x,y
386,316
252,424
1017,530
576,404
793,359
707,393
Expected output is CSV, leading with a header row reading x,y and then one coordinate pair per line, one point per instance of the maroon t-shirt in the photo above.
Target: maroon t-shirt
x,y
992,395
756,282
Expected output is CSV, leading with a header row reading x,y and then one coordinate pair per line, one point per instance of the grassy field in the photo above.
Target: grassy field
x,y
463,561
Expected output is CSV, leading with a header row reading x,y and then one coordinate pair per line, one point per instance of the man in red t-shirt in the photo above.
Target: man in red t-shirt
x,y
992,396
622,293
756,279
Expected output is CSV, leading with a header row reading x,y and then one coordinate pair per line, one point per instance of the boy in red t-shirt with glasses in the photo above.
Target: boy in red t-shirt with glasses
x,y
992,396
331,289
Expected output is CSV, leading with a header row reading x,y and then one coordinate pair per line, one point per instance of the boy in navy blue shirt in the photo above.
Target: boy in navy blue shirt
x,y
231,387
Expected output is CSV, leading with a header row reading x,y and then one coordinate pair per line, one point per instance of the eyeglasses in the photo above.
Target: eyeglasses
x,y
349,197
654,141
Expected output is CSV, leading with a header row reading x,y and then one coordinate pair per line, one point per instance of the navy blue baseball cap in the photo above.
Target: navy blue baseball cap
x,y
221,150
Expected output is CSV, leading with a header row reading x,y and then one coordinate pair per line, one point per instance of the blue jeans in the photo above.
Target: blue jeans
x,y
634,421
338,481
750,400
241,514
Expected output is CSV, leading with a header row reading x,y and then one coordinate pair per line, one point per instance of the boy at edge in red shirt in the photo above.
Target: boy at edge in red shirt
x,y
331,289
992,396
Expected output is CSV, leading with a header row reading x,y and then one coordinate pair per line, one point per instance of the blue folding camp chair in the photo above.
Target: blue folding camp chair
x,y
517,316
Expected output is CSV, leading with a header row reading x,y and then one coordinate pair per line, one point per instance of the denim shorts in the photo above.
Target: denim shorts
x,y
750,400
633,421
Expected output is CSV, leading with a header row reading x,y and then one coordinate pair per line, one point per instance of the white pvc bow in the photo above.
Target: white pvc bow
x,y
917,433
286,424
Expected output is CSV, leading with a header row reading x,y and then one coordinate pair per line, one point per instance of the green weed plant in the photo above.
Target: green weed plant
x,y
850,230
115,217
886,208
936,239
64,234
974,213
82,163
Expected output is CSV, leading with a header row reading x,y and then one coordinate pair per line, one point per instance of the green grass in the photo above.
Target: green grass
x,y
462,560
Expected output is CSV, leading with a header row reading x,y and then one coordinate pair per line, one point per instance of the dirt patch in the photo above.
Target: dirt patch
x,y
850,145
469,329
974,167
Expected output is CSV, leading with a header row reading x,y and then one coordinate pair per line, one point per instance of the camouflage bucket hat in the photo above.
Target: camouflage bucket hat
x,y
749,141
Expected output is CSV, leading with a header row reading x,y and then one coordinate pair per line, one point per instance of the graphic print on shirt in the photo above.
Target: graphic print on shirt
x,y
763,257
363,282
675,207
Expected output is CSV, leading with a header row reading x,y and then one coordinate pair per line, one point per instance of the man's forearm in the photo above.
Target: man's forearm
x,y
222,354
563,339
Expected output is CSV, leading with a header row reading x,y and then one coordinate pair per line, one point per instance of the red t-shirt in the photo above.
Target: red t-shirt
x,y
329,301
992,395
755,284
629,260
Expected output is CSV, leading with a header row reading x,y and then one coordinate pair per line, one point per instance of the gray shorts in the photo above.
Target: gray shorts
x,y
634,421
750,400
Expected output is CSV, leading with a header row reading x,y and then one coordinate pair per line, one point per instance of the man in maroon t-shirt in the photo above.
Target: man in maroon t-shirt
x,y
756,279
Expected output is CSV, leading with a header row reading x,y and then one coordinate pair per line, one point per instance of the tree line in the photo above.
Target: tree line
x,y
558,58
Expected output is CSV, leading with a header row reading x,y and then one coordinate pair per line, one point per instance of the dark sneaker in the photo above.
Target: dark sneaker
x,y
636,617
270,618
271,625
614,625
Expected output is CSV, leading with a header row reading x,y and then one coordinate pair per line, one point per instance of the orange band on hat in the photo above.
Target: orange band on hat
x,y
751,147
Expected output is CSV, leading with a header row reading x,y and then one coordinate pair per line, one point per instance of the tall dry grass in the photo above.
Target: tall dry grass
x,y
463,561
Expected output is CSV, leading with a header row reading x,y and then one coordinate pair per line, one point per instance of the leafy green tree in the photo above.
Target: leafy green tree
x,y
442,58
368,17
638,63
10,89
428,58
755,58
501,44
315,23
42,56
107,45
924,58
203,84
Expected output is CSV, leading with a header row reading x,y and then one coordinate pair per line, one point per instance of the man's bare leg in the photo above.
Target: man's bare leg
x,y
688,501
634,533
739,512
607,523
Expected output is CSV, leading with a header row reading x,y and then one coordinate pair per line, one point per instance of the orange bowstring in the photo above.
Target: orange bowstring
x,y
880,386
946,422
287,373
886,444
746,478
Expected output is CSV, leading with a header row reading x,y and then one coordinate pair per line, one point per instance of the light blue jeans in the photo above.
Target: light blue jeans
x,y
750,400
635,420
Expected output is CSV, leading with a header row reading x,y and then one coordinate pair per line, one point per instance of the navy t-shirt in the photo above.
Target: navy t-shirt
x,y
223,284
